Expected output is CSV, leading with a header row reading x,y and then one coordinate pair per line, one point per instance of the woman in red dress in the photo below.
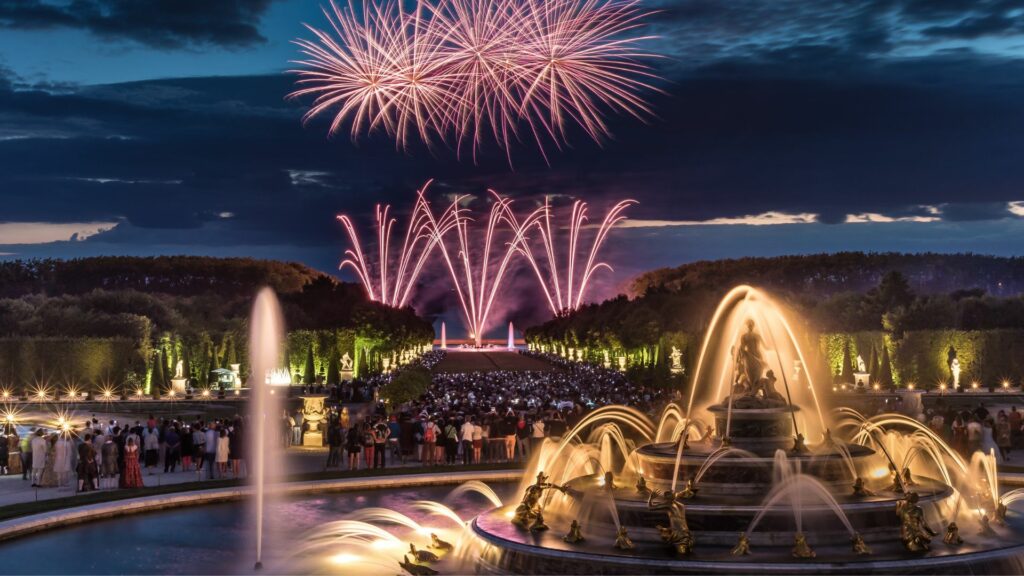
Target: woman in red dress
x,y
131,476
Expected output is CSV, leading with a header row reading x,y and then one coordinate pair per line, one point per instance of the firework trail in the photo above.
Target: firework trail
x,y
396,276
468,72
477,284
566,292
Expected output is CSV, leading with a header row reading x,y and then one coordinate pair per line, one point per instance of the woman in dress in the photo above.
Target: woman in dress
x,y
223,449
48,479
131,476
367,443
109,462
62,460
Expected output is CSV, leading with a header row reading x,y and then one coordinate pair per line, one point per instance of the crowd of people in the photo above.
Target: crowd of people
x,y
111,455
478,417
968,429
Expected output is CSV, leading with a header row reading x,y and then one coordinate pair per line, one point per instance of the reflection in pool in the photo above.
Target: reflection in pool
x,y
218,539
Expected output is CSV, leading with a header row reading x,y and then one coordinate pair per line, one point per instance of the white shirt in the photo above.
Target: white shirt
x,y
467,432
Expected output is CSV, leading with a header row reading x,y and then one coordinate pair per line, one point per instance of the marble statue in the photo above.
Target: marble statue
x,y
954,368
677,358
179,369
861,368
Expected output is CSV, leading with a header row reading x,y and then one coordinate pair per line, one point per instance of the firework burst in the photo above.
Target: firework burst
x,y
471,71
391,281
565,285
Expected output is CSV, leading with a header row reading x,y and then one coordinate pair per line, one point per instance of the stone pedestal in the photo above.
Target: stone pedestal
x,y
313,438
862,380
178,385
347,375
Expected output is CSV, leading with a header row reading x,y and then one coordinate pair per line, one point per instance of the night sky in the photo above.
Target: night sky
x,y
132,127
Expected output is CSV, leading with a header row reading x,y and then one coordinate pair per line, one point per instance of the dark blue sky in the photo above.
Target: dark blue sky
x,y
787,127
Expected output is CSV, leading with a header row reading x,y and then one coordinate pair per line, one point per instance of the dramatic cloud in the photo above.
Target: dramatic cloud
x,y
157,23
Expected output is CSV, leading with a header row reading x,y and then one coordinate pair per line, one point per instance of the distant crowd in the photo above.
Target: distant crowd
x,y
476,417
112,455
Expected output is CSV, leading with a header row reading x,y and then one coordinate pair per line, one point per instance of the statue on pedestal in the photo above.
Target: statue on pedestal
x,y
753,387
678,531
575,534
801,549
952,536
677,357
346,362
742,547
179,369
860,548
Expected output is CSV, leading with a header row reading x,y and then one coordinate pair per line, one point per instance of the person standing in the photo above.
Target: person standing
x,y
297,428
467,441
26,456
87,465
131,476
1003,437
62,460
38,446
210,455
198,445
172,442
14,462
334,440
110,458
451,442
354,445
223,449
509,428
537,432
380,432
430,433
152,447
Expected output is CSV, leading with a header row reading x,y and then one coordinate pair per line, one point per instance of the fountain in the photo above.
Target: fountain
x,y
266,329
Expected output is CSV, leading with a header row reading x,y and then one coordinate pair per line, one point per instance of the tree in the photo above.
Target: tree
x,y
309,371
885,370
407,385
158,376
893,292
873,365
846,376
333,369
186,363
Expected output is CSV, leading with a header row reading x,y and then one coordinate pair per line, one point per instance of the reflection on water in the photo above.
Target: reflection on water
x,y
215,539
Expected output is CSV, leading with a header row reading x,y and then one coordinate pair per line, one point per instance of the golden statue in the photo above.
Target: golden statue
x,y
529,514
908,480
416,569
622,541
688,490
897,482
986,528
800,445
742,547
438,544
860,548
1001,514
860,488
422,555
915,534
641,486
801,549
575,534
952,536
609,481
678,531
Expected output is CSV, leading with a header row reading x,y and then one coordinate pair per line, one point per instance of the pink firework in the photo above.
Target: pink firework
x,y
472,71
477,275
565,285
396,275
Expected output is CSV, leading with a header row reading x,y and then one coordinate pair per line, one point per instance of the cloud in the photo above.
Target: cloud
x,y
166,24
1016,207
763,219
19,233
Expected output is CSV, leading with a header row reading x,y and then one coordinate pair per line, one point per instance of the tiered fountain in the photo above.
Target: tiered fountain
x,y
753,475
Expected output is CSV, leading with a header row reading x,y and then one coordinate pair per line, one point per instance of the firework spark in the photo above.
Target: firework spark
x,y
471,71
477,285
566,292
396,275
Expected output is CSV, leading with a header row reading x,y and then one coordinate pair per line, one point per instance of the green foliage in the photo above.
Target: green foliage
x,y
408,384
309,369
885,379
334,369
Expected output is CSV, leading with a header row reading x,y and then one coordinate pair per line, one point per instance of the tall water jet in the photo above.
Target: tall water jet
x,y
266,330
444,337
511,337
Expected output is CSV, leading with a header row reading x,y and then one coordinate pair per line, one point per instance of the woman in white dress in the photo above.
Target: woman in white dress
x,y
62,461
222,452
988,442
